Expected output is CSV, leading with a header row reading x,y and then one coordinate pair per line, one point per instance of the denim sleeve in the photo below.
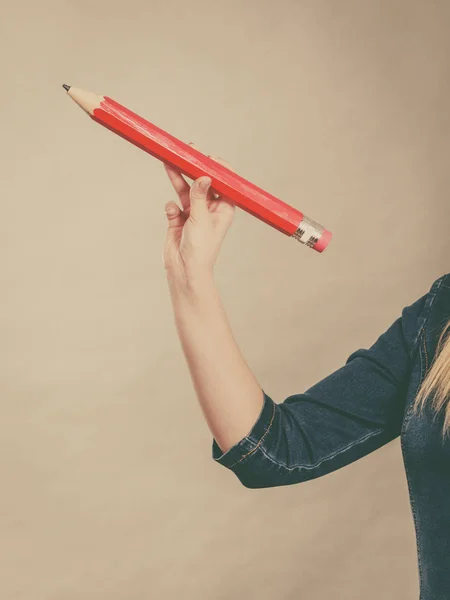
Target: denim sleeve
x,y
345,416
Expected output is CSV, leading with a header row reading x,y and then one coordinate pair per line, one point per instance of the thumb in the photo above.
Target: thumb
x,y
198,198
173,214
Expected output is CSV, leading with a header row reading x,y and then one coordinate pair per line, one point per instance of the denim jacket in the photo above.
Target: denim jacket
x,y
355,410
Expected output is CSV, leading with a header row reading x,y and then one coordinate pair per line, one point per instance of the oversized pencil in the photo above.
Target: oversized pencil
x,y
194,164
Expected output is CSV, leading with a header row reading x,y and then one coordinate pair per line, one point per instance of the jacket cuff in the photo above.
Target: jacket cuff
x,y
251,441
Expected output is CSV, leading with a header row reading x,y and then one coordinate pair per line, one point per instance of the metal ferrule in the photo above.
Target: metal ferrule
x,y
308,232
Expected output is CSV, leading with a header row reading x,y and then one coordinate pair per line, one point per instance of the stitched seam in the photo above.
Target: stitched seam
x,y
432,295
258,444
329,457
425,349
438,285
409,411
413,509
416,341
411,499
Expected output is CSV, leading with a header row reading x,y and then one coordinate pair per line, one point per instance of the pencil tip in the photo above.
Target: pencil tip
x,y
66,87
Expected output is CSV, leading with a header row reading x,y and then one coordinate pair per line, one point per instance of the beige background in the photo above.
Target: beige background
x,y
109,490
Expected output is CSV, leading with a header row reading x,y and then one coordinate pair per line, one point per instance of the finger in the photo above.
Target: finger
x,y
217,196
198,198
174,215
215,158
191,144
180,185
210,196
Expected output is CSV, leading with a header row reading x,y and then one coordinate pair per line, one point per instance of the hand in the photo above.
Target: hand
x,y
195,233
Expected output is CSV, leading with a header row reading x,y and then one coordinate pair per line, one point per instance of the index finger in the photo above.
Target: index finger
x,y
180,185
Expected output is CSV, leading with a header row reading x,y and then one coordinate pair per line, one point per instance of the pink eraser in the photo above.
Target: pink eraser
x,y
323,241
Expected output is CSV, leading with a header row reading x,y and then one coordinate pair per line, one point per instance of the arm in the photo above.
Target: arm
x,y
348,414
343,417
229,394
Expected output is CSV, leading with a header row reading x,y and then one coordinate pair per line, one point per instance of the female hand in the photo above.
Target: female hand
x,y
195,233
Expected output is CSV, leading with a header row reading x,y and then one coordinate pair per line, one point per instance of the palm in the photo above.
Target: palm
x,y
221,211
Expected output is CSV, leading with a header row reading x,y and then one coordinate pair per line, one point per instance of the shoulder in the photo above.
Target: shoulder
x,y
438,297
431,308
442,280
437,306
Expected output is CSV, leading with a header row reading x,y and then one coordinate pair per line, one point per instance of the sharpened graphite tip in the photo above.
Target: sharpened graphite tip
x,y
66,87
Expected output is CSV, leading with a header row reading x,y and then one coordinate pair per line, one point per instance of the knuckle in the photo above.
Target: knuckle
x,y
196,191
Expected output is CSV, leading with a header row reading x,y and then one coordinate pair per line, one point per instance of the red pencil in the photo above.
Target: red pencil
x,y
194,164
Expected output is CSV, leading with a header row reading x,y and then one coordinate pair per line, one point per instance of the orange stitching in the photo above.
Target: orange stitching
x,y
256,447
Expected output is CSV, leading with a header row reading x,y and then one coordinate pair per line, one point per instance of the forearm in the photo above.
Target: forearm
x,y
229,394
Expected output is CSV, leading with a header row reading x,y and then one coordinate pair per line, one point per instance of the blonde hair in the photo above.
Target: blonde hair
x,y
437,382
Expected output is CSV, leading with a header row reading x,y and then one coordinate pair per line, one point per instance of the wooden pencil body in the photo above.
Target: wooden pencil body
x,y
194,164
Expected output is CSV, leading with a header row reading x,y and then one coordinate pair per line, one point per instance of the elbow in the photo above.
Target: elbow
x,y
266,474
255,483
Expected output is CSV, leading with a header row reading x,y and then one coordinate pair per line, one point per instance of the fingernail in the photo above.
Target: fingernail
x,y
205,183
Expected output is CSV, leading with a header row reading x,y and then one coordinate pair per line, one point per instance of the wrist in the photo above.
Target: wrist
x,y
189,283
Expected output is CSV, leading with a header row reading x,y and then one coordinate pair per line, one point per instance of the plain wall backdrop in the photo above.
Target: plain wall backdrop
x,y
108,487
